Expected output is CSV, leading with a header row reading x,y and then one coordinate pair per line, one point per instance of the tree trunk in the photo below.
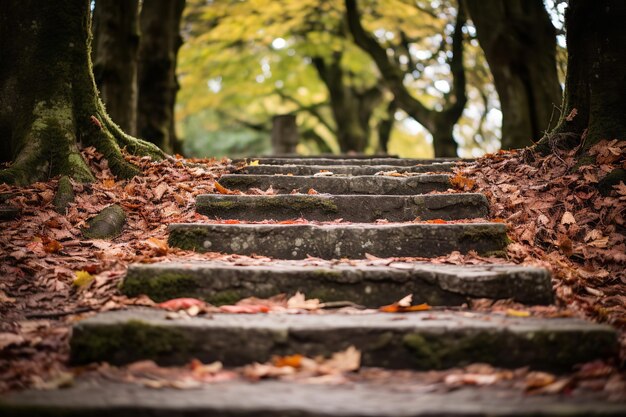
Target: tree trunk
x,y
160,32
519,42
284,134
48,98
385,126
394,75
351,109
594,103
116,41
594,99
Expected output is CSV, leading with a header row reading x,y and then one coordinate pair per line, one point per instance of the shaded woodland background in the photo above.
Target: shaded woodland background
x,y
414,78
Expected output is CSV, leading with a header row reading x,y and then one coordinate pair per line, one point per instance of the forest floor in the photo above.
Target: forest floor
x,y
50,276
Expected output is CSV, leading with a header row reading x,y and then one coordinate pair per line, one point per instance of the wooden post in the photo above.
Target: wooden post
x,y
284,134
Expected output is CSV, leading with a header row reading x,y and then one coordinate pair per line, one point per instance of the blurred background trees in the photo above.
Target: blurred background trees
x,y
409,77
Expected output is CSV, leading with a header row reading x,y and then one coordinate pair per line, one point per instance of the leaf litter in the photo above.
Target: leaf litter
x,y
44,255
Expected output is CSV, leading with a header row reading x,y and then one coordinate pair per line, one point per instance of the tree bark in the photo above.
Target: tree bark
x,y
115,46
386,126
284,134
393,76
352,109
49,104
160,31
519,42
594,103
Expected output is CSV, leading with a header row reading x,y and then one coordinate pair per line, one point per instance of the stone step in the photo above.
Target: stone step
x,y
353,208
379,185
280,399
343,169
297,241
320,156
347,161
8,212
371,286
426,340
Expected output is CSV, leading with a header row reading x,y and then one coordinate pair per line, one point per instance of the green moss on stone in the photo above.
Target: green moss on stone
x,y
439,351
159,287
126,342
225,297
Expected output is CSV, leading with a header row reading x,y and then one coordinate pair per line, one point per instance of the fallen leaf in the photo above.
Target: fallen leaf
x,y
244,309
221,189
568,218
159,245
52,246
295,361
312,191
299,301
181,304
348,360
517,313
82,279
254,163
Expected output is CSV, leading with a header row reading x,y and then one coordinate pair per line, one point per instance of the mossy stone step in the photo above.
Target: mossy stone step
x,y
371,286
379,185
428,340
8,212
353,208
343,169
346,161
297,241
399,398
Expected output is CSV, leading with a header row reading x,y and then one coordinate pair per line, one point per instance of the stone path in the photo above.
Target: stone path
x,y
373,208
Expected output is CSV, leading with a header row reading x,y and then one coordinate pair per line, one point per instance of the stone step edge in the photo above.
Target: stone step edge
x,y
347,161
374,286
279,399
342,169
350,207
427,340
334,241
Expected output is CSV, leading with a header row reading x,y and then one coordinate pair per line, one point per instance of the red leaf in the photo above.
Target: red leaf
x,y
181,304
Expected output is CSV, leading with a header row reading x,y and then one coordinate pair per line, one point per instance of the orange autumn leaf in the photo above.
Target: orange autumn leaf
x,y
244,309
221,189
181,304
159,245
312,191
295,361
462,183
52,246
108,183
231,221
396,308
436,221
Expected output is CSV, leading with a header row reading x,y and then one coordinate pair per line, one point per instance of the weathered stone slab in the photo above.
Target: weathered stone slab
x,y
429,340
372,286
349,161
289,399
343,169
8,212
297,241
285,184
353,208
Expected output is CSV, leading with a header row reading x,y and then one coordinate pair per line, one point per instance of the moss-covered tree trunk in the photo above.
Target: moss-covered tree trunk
x,y
351,107
160,41
594,103
49,105
519,42
115,46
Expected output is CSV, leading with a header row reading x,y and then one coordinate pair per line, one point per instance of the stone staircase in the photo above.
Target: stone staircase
x,y
373,208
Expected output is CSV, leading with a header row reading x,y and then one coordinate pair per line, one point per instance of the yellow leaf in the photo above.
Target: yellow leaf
x,y
254,163
82,279
517,313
